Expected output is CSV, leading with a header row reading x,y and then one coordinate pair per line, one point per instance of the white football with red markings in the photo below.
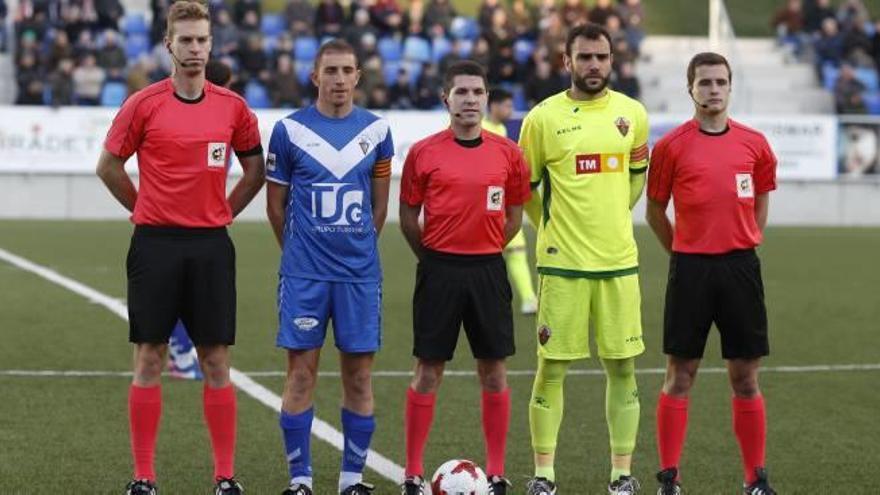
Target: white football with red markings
x,y
459,477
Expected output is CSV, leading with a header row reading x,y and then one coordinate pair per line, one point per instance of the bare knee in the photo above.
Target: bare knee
x,y
149,360
493,375
428,375
358,384
301,381
743,376
680,377
215,365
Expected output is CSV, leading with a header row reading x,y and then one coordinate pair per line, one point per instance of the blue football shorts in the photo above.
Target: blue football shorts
x,y
306,307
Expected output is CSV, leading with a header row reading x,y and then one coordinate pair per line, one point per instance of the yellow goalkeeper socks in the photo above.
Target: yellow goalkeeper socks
x,y
621,408
545,410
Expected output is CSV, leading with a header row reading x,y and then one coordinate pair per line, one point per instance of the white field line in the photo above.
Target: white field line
x,y
321,429
821,368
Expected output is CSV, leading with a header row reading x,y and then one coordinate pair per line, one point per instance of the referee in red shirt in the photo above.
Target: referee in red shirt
x,y
472,185
720,174
181,263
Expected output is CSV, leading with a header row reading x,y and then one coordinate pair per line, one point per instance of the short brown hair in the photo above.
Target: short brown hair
x,y
589,31
335,45
463,68
707,58
185,10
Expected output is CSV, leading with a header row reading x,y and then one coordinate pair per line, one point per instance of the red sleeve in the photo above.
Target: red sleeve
x,y
518,189
660,174
412,184
765,169
246,136
127,130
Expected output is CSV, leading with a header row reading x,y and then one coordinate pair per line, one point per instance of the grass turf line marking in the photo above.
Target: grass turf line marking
x,y
818,368
321,429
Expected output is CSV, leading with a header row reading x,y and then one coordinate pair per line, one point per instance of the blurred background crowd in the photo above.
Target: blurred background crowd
x,y
92,52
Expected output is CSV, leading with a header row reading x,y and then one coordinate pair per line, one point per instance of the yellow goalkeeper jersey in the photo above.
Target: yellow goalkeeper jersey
x,y
494,128
582,153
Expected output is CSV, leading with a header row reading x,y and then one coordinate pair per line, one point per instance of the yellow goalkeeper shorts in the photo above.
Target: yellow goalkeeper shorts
x,y
567,306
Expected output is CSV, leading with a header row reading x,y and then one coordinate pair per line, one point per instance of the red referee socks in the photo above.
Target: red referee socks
x,y
417,423
496,419
144,411
220,416
672,417
750,426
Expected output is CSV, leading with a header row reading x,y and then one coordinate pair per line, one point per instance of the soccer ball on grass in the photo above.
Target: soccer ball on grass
x,y
459,477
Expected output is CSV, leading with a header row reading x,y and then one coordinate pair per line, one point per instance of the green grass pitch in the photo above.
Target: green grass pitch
x,y
822,293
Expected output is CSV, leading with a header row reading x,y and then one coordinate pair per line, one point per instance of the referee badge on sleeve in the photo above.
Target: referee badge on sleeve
x,y
744,186
495,198
216,154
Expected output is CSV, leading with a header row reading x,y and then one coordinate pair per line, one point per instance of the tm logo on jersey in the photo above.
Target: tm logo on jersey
x,y
598,163
338,204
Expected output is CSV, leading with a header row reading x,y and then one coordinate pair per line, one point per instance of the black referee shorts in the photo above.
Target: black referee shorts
x,y
185,273
452,290
725,289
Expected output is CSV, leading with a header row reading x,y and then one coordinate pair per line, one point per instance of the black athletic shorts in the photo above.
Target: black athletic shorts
x,y
452,290
724,289
185,273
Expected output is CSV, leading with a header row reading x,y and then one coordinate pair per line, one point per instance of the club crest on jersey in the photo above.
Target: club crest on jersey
x,y
744,186
364,144
544,334
216,154
495,198
622,125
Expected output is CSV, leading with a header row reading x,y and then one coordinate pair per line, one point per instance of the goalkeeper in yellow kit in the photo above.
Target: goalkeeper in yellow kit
x,y
587,149
515,255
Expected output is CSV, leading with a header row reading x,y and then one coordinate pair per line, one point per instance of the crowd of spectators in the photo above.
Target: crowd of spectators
x,y
843,43
87,52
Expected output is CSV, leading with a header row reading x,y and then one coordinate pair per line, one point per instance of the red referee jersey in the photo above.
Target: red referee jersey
x,y
464,190
183,150
713,180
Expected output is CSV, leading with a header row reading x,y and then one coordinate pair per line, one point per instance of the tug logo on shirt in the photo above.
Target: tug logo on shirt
x,y
744,186
495,198
216,154
597,163
337,204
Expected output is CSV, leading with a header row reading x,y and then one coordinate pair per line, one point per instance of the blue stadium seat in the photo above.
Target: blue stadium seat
x,y
522,50
413,70
868,78
872,101
305,48
389,70
136,45
520,104
464,28
113,94
440,47
273,24
303,71
829,76
269,44
416,49
256,95
134,23
389,49
465,48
